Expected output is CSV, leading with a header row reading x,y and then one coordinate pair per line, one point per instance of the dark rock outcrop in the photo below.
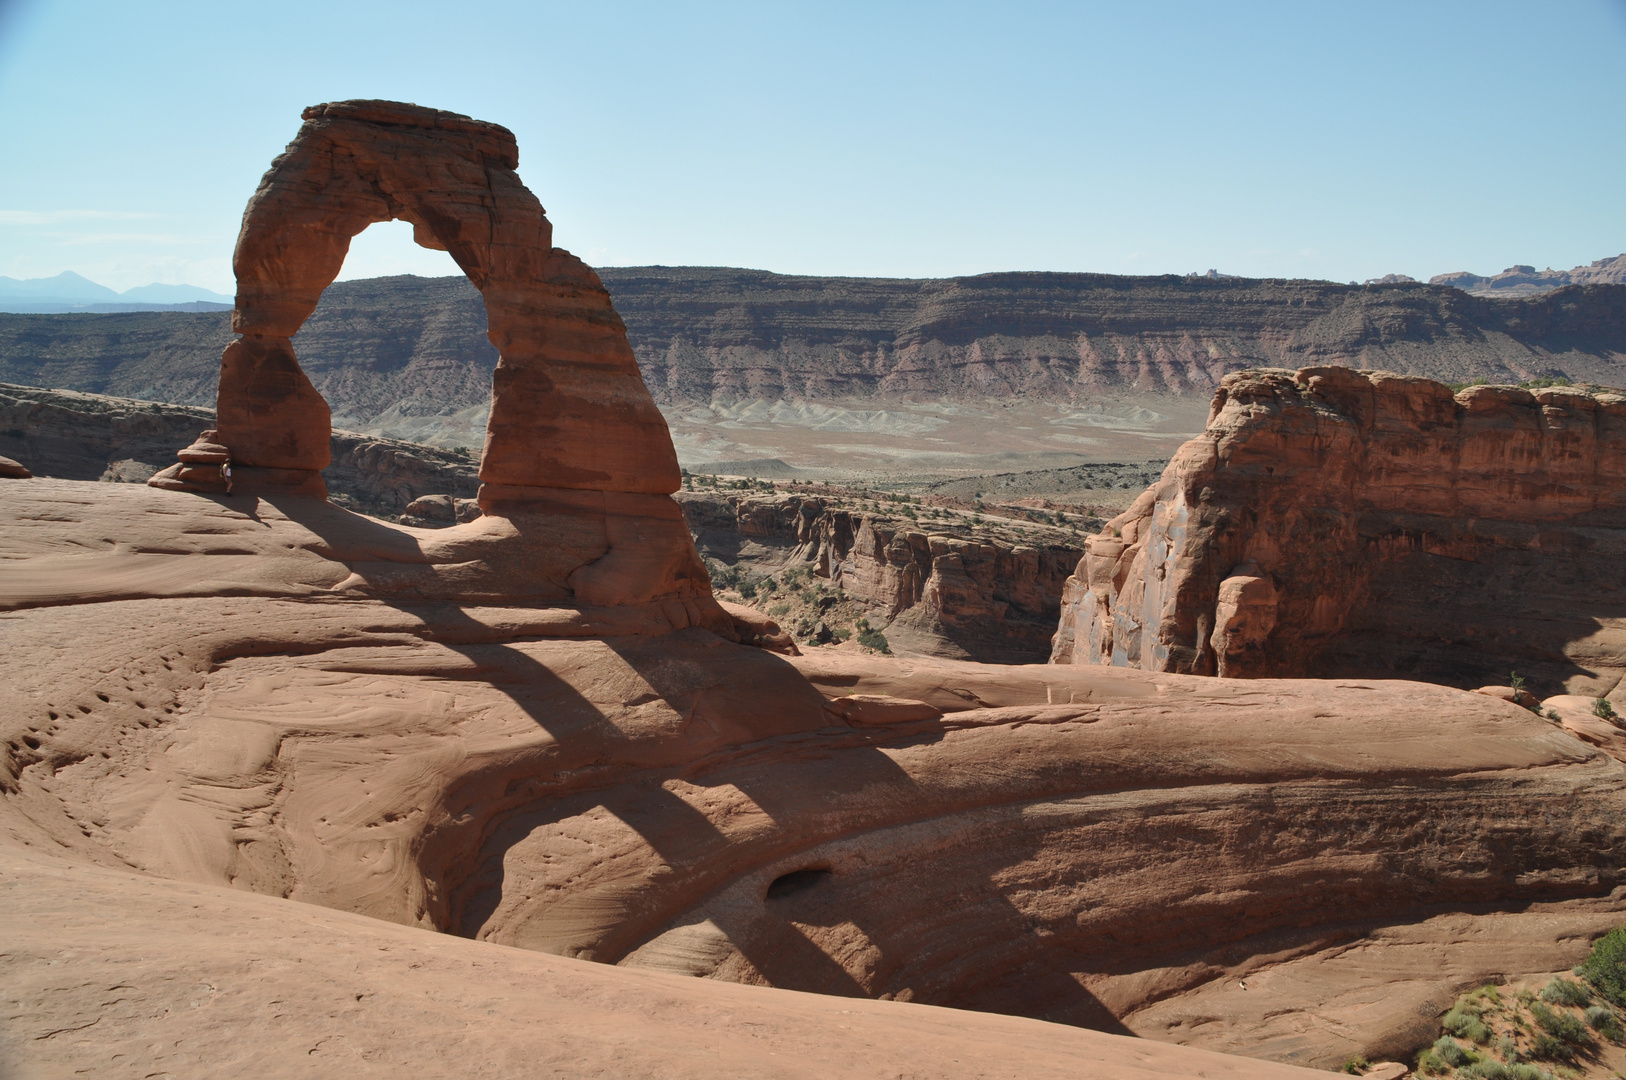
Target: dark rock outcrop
x,y
1331,522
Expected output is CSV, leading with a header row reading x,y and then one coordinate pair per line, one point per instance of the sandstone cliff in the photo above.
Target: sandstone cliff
x,y
410,355
1338,523
943,588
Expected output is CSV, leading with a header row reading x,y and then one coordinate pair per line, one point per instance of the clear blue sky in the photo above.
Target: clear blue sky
x,y
1307,139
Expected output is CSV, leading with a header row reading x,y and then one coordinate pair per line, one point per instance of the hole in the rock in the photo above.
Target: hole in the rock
x,y
797,881
409,317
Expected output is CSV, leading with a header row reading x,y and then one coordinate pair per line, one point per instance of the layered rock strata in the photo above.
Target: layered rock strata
x,y
956,591
1331,522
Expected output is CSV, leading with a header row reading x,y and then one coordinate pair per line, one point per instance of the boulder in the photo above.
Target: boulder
x,y
13,470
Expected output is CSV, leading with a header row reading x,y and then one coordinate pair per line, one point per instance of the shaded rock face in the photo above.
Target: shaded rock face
x,y
1334,522
963,597
573,440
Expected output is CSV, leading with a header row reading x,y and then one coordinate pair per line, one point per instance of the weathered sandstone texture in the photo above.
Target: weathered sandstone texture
x,y
1331,522
953,591
188,691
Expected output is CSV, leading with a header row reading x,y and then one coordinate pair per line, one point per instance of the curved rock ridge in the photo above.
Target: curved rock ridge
x,y
574,438
1339,522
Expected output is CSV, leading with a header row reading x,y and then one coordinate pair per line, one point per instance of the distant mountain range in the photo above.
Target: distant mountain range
x,y
1518,281
70,292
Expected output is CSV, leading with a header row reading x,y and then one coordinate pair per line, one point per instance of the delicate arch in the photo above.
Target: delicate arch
x,y
569,409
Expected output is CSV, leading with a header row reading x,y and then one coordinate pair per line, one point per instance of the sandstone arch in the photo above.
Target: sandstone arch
x,y
569,409
578,466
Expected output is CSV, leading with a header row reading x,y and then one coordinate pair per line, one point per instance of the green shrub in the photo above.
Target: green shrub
x,y
1562,1034
1602,709
870,638
1429,1064
1355,1066
1495,1070
1452,1052
1602,1019
1562,991
1464,1022
1605,966
1547,1048
1529,1072
1487,1070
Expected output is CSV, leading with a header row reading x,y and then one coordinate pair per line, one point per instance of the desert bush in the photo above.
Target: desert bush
x,y
1605,966
870,638
1487,1070
1463,1021
1562,1034
1548,1048
1429,1063
1602,1019
1452,1052
1562,991
1495,1070
1602,709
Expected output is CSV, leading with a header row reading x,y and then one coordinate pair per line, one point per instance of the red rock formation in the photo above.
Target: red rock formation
x,y
977,596
577,458
1342,522
13,470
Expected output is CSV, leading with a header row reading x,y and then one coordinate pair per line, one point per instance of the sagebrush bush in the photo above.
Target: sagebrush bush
x,y
1464,1022
1566,1027
1562,991
1602,1019
1452,1052
1605,966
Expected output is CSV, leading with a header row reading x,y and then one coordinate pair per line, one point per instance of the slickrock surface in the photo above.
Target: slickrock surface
x,y
203,700
985,592
1337,523
196,981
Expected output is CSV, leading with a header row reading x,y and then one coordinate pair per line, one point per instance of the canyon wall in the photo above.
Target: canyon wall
x,y
959,591
1331,522
406,353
